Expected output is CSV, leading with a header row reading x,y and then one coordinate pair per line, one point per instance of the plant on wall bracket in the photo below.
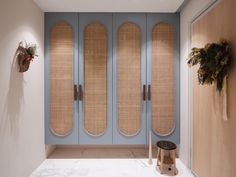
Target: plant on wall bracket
x,y
214,62
25,55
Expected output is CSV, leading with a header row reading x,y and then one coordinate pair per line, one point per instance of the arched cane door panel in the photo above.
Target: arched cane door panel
x,y
129,78
61,79
95,78
163,78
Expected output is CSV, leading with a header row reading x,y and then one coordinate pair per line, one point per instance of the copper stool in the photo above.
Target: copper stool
x,y
166,156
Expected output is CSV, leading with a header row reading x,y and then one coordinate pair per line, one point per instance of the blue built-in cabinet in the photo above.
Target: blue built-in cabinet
x,y
111,78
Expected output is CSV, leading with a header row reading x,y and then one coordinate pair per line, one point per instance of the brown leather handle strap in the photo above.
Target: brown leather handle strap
x,y
75,93
144,92
149,92
80,93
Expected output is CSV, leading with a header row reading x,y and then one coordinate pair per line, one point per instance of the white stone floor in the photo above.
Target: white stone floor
x,y
103,168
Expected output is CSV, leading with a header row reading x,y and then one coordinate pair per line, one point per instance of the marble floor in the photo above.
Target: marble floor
x,y
106,163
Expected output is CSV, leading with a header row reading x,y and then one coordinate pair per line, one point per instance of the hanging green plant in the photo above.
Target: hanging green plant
x,y
214,60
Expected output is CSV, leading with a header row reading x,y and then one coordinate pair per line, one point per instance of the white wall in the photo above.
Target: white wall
x,y
22,146
192,8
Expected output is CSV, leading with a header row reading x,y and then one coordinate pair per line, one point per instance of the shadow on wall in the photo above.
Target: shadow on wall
x,y
14,99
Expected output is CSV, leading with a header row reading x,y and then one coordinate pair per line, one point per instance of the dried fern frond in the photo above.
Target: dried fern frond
x,y
215,60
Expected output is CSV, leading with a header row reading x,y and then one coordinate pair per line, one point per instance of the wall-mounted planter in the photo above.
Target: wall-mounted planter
x,y
25,56
23,63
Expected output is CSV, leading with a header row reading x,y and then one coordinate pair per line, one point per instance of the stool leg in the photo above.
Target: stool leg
x,y
173,156
158,155
162,161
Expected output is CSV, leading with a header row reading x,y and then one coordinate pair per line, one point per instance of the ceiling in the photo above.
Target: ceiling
x,y
109,5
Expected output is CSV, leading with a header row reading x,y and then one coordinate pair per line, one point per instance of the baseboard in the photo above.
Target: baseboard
x,y
103,146
49,149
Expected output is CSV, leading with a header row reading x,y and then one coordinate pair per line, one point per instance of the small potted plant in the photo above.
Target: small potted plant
x,y
25,56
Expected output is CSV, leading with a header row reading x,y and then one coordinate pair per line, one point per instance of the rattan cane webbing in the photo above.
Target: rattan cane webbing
x,y
95,78
61,78
129,78
163,78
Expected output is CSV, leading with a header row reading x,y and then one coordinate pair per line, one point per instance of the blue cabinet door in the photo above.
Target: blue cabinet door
x,y
95,78
163,76
61,29
129,77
